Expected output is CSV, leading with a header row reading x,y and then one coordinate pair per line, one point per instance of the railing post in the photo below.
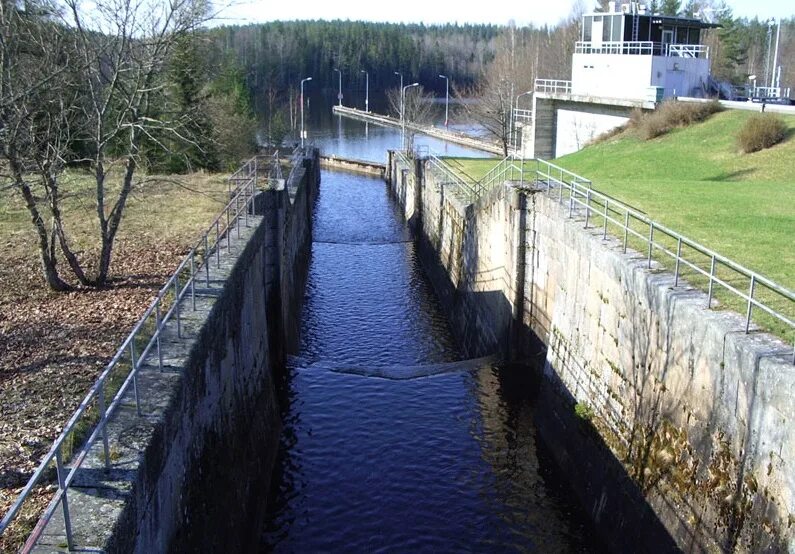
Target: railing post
x,y
237,215
135,376
604,229
560,193
750,304
207,260
651,241
572,193
193,278
158,325
711,276
218,242
245,203
587,206
103,415
678,258
228,230
626,229
176,305
64,500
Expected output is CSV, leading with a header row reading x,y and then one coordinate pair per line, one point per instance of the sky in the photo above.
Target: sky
x,y
462,11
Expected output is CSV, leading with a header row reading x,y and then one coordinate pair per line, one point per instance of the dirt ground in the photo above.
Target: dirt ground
x,y
54,345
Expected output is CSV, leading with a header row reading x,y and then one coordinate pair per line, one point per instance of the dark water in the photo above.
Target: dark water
x,y
391,442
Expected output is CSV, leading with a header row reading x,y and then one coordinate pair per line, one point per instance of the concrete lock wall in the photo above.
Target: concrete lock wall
x,y
672,425
188,473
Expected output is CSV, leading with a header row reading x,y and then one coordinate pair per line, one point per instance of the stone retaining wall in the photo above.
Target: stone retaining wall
x,y
673,426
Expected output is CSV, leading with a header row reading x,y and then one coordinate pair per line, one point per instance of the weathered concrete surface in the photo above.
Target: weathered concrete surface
x,y
354,166
684,435
204,444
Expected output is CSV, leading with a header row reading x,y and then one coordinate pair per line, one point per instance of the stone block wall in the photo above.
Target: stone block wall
x,y
674,427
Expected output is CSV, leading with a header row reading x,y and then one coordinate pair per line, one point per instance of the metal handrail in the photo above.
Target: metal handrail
x,y
595,203
642,47
579,193
688,50
470,191
237,208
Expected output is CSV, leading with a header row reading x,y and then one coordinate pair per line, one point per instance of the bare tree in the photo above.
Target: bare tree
x,y
38,92
417,109
124,46
84,86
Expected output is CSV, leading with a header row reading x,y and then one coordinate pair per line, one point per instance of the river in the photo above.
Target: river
x,y
391,441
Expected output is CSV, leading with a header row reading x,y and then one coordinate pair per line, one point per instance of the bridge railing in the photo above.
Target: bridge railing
x,y
87,427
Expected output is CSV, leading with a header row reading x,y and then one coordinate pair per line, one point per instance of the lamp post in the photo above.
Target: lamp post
x,y
513,117
401,78
403,111
339,94
401,94
776,82
366,90
302,109
446,99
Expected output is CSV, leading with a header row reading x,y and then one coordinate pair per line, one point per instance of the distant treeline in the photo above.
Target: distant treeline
x,y
278,55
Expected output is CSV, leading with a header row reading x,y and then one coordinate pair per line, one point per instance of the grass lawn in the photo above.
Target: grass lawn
x,y
696,181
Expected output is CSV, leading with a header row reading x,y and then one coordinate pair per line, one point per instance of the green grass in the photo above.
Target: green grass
x,y
695,181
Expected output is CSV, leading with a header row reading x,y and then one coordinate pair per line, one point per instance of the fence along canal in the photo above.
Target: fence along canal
x,y
727,283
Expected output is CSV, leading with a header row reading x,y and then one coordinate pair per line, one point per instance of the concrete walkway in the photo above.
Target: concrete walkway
x,y
435,132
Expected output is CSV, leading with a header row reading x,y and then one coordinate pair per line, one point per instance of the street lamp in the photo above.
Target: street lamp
x,y
446,99
401,78
302,109
366,91
339,94
513,118
403,111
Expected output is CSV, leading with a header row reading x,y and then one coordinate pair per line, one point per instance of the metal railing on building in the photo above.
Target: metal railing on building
x,y
642,48
552,86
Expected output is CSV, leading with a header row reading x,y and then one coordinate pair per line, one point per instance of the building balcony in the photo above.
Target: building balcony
x,y
643,48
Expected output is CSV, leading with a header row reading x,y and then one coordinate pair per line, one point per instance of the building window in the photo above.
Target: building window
x,y
586,29
616,33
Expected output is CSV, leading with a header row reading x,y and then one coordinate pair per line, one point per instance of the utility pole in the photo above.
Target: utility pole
x,y
775,56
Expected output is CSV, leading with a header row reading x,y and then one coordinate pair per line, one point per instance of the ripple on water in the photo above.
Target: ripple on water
x,y
375,454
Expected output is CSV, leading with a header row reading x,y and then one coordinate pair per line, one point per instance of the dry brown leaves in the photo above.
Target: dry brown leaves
x,y
53,347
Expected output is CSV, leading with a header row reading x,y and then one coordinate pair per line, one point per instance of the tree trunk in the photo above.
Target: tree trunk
x,y
46,255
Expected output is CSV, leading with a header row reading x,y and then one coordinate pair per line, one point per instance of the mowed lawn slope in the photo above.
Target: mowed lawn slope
x,y
696,181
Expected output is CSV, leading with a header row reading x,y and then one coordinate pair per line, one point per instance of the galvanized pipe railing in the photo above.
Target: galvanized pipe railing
x,y
581,197
181,284
577,193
